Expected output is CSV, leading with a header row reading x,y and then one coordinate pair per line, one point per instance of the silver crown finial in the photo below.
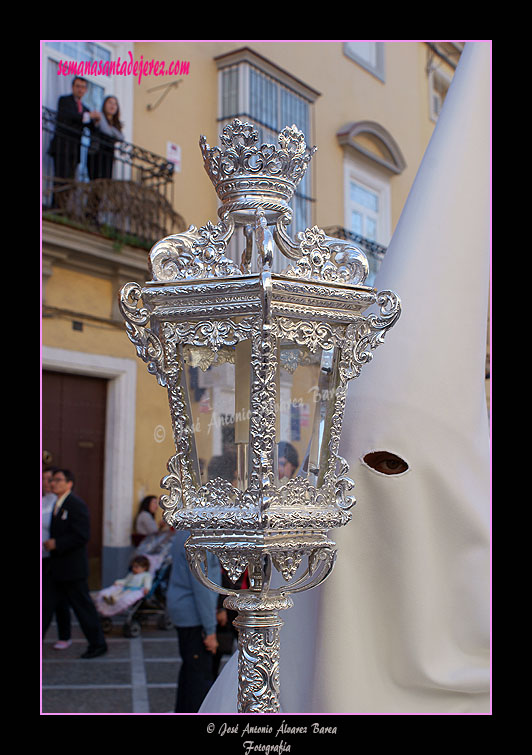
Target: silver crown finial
x,y
248,175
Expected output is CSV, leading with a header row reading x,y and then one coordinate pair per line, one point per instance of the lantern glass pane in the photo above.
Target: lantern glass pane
x,y
221,428
305,390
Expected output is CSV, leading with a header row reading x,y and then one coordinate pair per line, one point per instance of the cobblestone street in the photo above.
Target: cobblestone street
x,y
136,675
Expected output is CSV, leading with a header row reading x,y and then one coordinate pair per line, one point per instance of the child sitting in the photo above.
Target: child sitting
x,y
125,592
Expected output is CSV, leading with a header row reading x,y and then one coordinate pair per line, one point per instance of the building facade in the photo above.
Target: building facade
x,y
370,107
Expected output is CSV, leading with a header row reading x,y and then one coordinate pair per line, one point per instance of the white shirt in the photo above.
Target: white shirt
x,y
146,524
47,507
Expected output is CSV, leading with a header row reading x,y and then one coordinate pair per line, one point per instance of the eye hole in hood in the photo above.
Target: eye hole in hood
x,y
385,462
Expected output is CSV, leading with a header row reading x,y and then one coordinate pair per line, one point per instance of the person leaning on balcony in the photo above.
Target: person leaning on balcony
x,y
102,147
72,117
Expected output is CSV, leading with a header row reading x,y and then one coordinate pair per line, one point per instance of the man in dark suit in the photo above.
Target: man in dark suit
x,y
72,117
69,566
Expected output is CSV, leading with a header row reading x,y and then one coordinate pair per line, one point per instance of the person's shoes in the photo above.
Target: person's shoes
x,y
94,652
62,644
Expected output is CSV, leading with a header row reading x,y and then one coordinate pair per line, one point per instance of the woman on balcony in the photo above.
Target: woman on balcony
x,y
108,131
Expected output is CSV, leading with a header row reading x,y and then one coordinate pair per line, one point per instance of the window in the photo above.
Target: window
x,y
438,86
54,86
367,203
371,158
368,54
229,92
442,60
75,52
368,210
81,50
256,90
364,210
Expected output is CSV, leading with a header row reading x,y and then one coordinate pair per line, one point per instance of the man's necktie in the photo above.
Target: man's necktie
x,y
80,108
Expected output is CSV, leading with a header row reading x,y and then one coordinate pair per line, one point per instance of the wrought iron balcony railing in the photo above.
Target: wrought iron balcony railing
x,y
124,192
373,251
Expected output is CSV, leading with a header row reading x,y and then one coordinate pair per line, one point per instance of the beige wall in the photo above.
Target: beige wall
x,y
182,116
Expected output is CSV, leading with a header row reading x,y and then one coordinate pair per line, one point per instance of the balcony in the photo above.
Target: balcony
x,y
134,205
373,251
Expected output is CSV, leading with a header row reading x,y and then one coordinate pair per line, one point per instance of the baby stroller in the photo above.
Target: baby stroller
x,y
157,548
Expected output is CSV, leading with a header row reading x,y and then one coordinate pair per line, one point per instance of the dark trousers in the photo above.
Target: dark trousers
x,y
100,164
62,609
76,594
66,159
196,675
66,155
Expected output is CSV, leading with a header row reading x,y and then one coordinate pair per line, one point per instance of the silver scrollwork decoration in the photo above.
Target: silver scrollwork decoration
x,y
195,253
325,258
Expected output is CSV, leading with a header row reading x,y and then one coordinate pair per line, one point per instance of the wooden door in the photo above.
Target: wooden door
x,y
73,435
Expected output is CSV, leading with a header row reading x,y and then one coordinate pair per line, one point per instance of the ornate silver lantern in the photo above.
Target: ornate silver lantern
x,y
250,360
